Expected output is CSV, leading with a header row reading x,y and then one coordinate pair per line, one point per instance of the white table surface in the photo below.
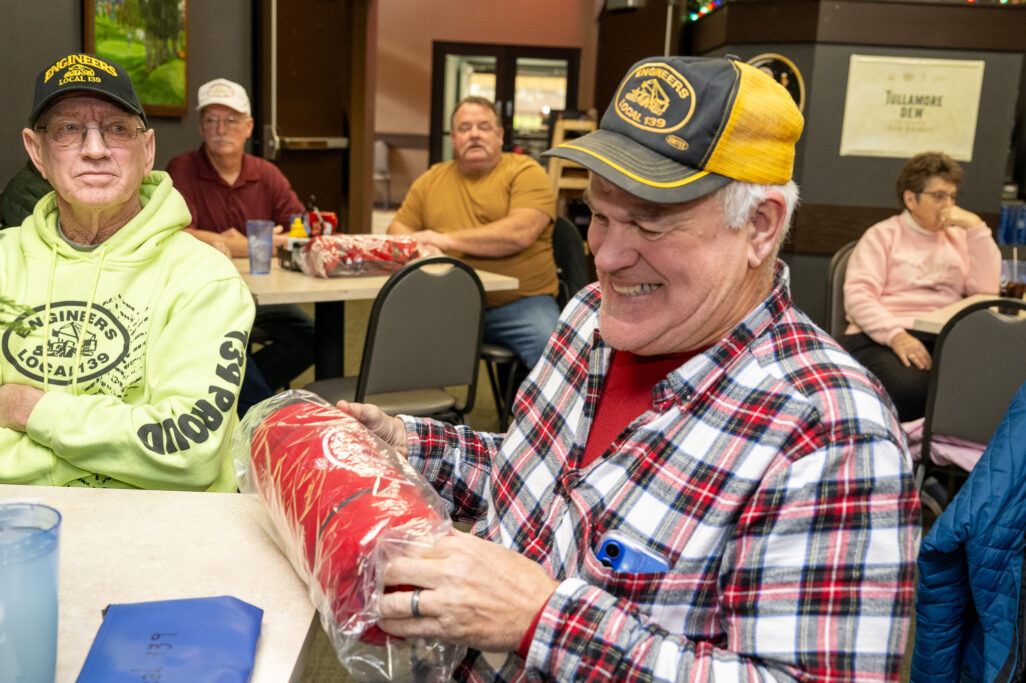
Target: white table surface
x,y
120,546
934,321
282,286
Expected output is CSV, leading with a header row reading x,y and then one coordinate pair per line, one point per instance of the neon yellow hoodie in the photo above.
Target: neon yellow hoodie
x,y
145,348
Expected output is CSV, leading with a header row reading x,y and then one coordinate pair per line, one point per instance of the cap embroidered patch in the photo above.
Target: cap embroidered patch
x,y
643,99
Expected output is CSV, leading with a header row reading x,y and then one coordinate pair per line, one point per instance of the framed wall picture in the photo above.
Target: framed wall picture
x,y
150,39
897,106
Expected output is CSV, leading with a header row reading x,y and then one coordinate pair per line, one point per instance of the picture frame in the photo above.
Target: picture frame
x,y
149,38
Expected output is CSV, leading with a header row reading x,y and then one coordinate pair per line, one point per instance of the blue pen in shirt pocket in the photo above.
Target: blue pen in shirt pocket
x,y
623,554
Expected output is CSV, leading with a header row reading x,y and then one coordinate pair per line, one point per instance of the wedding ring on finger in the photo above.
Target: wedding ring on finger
x,y
415,604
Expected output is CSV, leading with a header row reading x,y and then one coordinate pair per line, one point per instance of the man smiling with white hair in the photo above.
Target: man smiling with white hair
x,y
699,483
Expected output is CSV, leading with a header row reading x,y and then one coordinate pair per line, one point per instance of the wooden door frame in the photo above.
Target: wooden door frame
x,y
356,47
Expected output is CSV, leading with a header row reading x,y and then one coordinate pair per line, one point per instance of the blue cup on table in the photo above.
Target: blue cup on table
x,y
260,235
29,535
1006,225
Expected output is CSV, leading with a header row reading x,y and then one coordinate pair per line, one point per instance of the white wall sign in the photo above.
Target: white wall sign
x,y
897,107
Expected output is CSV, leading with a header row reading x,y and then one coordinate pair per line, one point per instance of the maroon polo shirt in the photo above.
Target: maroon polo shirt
x,y
260,192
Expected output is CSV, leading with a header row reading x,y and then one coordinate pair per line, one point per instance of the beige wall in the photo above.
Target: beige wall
x,y
407,28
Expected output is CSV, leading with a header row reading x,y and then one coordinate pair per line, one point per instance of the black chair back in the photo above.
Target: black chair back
x,y
571,260
835,320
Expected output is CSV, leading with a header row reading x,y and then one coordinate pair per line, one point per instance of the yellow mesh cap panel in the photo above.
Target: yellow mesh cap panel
x,y
757,144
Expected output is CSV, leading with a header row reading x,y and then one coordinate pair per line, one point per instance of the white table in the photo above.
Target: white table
x,y
120,546
282,286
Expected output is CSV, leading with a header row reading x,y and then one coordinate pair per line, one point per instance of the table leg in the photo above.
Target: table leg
x,y
329,330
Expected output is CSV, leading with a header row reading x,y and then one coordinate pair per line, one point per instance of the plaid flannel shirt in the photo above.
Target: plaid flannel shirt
x,y
770,472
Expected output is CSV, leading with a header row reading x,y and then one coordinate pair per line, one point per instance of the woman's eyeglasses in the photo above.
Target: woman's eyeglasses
x,y
940,196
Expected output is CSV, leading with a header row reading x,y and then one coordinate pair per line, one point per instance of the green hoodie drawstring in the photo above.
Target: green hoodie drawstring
x,y
46,318
85,323
82,329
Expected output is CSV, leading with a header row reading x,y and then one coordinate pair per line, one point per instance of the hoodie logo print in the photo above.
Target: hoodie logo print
x,y
102,346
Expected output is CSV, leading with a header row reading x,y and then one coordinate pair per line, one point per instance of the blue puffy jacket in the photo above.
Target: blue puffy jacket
x,y
970,601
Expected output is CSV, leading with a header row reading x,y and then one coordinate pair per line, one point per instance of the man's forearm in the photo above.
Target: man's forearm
x,y
236,243
504,237
493,240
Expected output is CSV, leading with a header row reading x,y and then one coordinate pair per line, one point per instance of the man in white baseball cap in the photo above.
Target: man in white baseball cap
x,y
224,187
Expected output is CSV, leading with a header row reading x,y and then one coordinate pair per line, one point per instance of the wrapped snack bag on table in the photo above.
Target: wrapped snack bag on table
x,y
335,255
341,502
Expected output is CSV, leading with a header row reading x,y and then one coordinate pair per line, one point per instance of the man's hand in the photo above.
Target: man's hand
x,y
430,242
473,592
910,351
389,429
222,247
956,217
16,404
280,238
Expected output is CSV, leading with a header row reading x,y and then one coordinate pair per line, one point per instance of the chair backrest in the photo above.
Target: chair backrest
x,y
979,362
571,261
381,160
835,320
425,330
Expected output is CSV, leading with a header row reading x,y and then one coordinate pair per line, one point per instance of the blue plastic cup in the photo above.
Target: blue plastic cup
x,y
1010,212
29,535
260,235
1020,227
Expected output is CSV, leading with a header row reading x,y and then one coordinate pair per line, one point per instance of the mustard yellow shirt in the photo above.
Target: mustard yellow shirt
x,y
445,200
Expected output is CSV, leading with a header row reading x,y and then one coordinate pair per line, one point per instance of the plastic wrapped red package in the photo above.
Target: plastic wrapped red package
x,y
340,503
334,255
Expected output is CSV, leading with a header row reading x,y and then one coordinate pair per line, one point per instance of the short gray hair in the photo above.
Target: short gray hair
x,y
479,101
738,200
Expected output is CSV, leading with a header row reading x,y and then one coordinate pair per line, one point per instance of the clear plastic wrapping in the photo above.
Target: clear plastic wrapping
x,y
337,255
341,502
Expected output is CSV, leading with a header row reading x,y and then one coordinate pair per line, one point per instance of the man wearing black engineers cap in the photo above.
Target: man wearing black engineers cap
x,y
126,367
699,483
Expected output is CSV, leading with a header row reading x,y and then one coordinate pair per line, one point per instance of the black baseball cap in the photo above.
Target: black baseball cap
x,y
679,128
85,72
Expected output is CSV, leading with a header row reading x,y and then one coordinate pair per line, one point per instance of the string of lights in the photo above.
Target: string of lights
x,y
697,9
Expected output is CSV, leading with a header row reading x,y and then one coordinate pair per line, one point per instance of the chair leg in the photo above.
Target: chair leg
x,y
493,380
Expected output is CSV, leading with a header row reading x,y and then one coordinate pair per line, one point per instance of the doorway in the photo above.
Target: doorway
x,y
527,84
313,101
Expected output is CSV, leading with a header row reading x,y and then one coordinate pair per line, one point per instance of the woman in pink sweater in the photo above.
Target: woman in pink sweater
x,y
930,255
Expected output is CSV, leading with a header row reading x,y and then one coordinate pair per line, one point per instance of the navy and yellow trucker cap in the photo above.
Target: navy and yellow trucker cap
x,y
85,72
679,128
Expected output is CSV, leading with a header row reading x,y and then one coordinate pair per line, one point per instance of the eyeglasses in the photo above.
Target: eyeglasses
x,y
214,122
113,133
940,196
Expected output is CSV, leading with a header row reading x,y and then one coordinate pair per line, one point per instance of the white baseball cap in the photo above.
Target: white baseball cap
x,y
223,91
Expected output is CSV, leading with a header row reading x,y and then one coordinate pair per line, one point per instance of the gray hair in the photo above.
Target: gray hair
x,y
738,201
479,101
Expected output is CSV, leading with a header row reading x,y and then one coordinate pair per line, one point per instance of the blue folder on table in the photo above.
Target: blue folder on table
x,y
194,640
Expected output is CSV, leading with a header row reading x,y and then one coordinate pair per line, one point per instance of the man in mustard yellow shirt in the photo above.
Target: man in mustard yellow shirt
x,y
495,212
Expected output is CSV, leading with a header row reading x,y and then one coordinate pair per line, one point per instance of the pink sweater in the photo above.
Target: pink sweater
x,y
899,271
